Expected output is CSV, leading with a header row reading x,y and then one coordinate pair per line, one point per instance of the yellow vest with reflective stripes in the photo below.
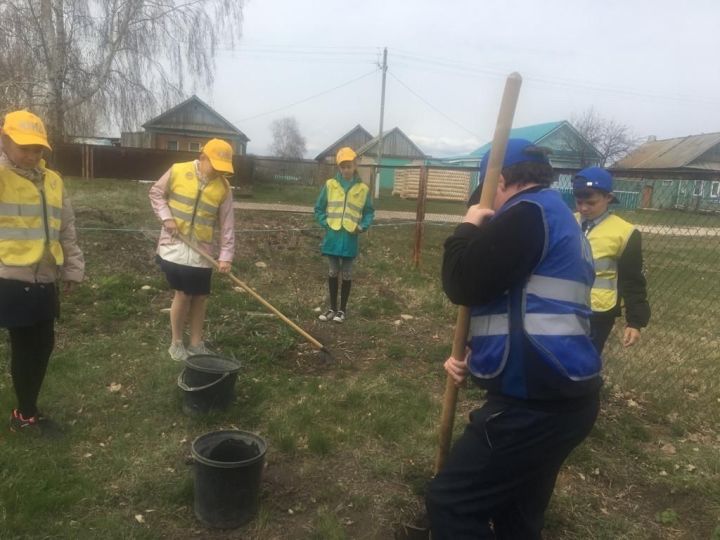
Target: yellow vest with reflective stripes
x,y
608,240
194,206
344,210
30,218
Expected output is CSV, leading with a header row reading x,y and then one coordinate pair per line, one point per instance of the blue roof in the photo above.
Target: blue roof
x,y
531,133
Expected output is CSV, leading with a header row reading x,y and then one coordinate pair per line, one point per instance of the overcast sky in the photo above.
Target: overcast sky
x,y
653,65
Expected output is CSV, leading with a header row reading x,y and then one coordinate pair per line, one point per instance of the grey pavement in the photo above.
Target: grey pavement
x,y
451,218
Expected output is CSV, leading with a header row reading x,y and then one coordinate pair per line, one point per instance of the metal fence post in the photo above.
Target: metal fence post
x,y
420,214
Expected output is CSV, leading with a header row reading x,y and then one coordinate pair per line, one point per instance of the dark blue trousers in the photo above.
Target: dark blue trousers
x,y
500,474
600,328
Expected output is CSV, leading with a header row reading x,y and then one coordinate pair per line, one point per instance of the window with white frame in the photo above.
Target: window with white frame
x,y
194,146
698,190
172,145
715,189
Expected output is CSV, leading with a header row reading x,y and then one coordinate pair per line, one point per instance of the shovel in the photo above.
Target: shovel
x,y
314,342
420,529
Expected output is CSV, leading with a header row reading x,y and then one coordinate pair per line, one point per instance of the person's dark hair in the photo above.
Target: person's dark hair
x,y
587,192
528,173
583,193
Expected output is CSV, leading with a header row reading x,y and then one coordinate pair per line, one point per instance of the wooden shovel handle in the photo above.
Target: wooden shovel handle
x,y
487,197
197,249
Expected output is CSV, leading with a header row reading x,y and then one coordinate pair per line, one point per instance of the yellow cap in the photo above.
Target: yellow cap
x,y
220,154
24,128
345,154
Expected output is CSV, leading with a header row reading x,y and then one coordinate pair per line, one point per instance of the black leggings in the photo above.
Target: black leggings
x,y
30,348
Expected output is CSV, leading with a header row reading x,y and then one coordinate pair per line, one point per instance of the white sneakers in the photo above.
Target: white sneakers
x,y
177,351
331,315
200,348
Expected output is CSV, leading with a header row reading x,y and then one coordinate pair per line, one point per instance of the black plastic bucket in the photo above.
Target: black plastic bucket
x,y
228,469
208,382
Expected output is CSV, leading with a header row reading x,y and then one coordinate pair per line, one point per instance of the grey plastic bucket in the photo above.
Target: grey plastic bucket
x,y
228,468
208,383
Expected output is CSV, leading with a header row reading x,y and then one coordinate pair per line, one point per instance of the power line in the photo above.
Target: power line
x,y
465,67
306,55
433,107
310,97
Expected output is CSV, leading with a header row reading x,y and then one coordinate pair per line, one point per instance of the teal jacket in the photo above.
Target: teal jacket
x,y
342,243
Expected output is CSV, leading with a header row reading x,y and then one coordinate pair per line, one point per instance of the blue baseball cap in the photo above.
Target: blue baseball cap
x,y
594,178
517,151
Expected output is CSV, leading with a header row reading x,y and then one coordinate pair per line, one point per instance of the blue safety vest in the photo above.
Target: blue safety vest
x,y
550,310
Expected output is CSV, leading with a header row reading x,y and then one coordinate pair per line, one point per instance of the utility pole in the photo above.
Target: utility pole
x,y
382,116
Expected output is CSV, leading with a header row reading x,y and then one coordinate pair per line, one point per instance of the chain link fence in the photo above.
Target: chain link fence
x,y
675,369
676,365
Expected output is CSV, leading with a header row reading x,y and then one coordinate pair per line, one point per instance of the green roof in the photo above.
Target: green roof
x,y
532,133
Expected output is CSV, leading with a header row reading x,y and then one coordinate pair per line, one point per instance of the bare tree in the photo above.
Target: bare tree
x,y
80,63
610,138
287,140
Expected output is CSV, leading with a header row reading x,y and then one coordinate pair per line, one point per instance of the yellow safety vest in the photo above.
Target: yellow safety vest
x,y
608,240
344,210
30,218
194,207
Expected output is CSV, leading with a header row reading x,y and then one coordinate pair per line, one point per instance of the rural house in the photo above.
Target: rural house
x,y
683,172
187,127
355,139
570,150
398,149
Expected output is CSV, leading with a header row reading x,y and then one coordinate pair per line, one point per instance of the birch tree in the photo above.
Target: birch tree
x,y
288,142
84,63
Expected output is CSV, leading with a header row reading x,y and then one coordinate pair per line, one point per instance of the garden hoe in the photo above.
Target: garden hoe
x,y
314,342
420,529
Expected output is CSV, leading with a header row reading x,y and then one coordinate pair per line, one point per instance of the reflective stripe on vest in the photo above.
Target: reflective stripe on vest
x,y
24,232
608,240
344,209
193,206
545,324
565,290
553,324
490,325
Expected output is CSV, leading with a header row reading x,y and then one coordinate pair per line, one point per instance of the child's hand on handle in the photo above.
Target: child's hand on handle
x,y
171,227
631,336
68,287
457,369
224,267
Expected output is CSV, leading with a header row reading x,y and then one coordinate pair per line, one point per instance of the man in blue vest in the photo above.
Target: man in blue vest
x,y
525,269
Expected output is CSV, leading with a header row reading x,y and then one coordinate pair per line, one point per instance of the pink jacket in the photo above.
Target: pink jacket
x,y
159,200
46,271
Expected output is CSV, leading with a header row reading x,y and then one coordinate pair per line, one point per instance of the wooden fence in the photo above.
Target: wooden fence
x,y
90,161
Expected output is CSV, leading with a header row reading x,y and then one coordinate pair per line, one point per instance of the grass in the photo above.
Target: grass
x,y
351,439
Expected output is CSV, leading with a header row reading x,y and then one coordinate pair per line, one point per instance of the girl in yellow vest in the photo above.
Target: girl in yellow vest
x,y
194,199
38,248
344,208
617,254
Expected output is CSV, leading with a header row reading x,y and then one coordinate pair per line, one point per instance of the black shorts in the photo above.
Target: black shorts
x,y
188,279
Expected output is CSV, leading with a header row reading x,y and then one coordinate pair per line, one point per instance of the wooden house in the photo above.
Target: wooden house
x,y
187,127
